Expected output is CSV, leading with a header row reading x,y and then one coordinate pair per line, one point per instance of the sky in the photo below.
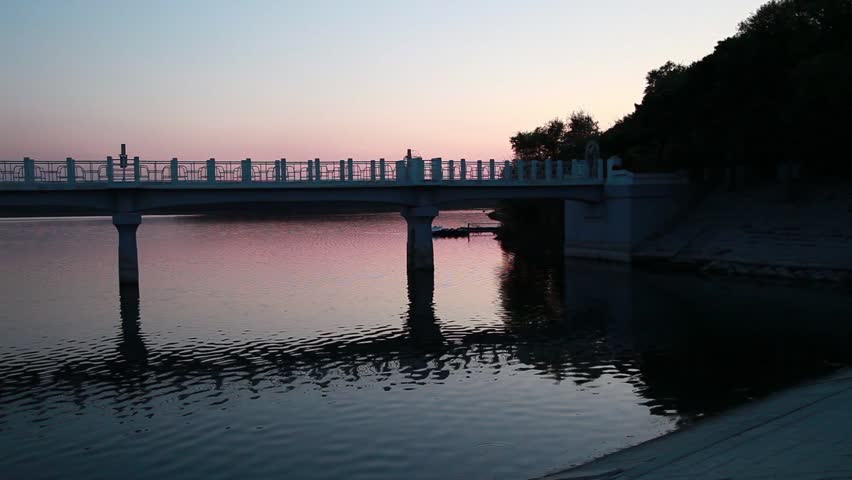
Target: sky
x,y
331,79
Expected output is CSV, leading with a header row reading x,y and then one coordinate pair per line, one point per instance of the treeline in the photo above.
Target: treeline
x,y
778,90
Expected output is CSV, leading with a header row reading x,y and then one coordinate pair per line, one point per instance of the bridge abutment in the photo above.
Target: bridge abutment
x,y
633,209
420,255
128,257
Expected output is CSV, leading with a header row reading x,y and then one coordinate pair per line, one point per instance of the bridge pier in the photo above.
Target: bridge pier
x,y
419,248
128,258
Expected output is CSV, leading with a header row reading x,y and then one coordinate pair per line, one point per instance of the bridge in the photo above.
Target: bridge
x,y
129,188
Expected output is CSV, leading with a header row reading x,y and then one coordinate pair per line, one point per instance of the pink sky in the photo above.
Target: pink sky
x,y
328,79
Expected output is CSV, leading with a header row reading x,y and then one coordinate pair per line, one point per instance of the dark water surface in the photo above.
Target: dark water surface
x,y
300,348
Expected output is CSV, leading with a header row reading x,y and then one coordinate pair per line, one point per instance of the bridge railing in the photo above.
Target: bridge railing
x,y
207,172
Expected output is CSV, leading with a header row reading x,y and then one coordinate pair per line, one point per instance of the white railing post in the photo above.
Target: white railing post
x,y
492,169
372,170
310,170
463,170
437,172
548,169
137,170
317,173
533,170
479,170
110,170
71,171
342,172
29,171
246,170
277,171
211,170
401,171
599,168
283,169
350,169
382,169
416,170
452,175
520,170
560,170
175,174
507,171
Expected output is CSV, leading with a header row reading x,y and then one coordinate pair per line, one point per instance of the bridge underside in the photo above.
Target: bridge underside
x,y
419,205
151,200
602,219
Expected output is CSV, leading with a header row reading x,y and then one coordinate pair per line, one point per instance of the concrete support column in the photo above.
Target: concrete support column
x,y
419,248
128,258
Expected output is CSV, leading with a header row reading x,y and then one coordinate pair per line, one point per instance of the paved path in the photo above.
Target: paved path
x,y
756,227
799,434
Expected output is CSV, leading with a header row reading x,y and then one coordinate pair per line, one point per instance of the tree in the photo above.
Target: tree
x,y
557,139
778,90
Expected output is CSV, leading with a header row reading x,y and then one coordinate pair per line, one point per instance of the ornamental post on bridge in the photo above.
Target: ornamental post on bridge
x,y
137,170
71,171
211,170
174,168
419,253
246,170
110,170
437,172
128,258
29,171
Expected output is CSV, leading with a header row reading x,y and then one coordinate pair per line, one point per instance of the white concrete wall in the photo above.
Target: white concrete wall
x,y
634,208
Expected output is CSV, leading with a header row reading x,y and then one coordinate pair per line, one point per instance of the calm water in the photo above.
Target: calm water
x,y
299,348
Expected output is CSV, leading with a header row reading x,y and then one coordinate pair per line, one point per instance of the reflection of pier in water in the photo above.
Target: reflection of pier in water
x,y
589,324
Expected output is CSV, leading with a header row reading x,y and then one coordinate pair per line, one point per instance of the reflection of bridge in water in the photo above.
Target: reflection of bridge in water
x,y
591,324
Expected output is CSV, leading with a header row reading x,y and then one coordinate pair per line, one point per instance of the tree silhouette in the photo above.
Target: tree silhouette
x,y
778,90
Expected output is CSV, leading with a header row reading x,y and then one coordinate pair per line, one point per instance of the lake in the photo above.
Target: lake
x,y
300,348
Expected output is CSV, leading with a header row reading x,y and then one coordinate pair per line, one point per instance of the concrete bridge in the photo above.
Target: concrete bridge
x,y
608,211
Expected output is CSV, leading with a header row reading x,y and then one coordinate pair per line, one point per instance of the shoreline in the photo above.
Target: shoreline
x,y
800,433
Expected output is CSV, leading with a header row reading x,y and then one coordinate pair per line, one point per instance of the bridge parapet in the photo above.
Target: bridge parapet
x,y
72,173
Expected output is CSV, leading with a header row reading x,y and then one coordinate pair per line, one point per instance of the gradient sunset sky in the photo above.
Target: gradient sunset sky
x,y
329,79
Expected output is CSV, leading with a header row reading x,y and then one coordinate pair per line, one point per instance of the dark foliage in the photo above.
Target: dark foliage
x,y
557,139
778,90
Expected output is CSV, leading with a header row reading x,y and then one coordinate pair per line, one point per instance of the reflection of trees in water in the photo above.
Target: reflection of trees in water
x,y
687,344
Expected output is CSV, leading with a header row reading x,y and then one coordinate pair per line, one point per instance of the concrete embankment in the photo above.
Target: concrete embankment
x,y
759,231
802,433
